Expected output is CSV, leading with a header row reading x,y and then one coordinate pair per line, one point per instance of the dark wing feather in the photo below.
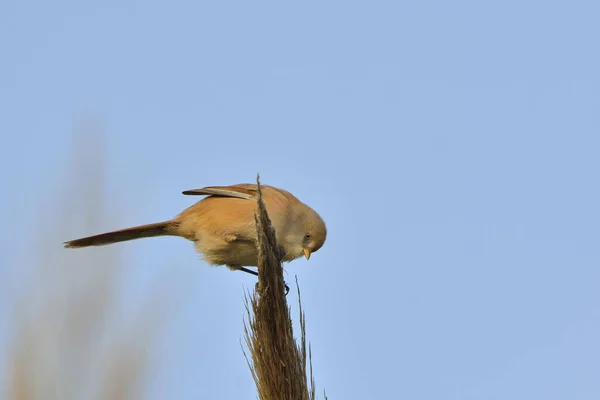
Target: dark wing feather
x,y
241,191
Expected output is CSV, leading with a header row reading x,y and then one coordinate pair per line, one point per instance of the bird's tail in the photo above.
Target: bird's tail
x,y
137,232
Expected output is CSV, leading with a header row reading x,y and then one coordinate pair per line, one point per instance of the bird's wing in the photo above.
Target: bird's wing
x,y
241,191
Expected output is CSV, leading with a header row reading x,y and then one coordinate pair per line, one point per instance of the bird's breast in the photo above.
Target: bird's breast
x,y
228,253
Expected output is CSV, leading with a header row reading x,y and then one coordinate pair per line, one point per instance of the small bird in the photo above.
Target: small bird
x,y
223,229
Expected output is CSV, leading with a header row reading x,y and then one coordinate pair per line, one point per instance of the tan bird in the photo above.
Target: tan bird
x,y
223,229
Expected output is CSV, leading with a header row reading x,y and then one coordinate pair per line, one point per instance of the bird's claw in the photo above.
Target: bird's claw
x,y
287,288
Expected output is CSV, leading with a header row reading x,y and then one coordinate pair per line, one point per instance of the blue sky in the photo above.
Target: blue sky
x,y
451,147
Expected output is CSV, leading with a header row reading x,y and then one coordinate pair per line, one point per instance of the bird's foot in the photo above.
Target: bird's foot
x,y
236,267
249,271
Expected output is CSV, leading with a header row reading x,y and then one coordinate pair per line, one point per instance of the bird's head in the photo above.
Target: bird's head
x,y
307,235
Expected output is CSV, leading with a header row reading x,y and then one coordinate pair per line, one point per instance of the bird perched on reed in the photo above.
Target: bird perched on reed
x,y
222,226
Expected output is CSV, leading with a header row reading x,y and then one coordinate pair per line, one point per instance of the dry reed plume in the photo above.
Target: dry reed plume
x,y
278,364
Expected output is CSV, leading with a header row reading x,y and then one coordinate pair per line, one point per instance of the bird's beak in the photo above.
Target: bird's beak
x,y
307,253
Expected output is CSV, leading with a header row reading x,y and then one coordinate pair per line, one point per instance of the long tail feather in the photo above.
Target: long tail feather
x,y
136,232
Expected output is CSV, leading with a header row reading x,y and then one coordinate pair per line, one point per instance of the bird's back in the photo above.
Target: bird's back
x,y
223,228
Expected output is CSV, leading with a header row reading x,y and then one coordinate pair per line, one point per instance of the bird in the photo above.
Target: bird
x,y
222,226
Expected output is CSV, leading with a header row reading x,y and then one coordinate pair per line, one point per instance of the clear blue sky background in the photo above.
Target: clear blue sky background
x,y
451,147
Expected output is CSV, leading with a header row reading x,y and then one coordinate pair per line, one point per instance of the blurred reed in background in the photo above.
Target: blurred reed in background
x,y
65,340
